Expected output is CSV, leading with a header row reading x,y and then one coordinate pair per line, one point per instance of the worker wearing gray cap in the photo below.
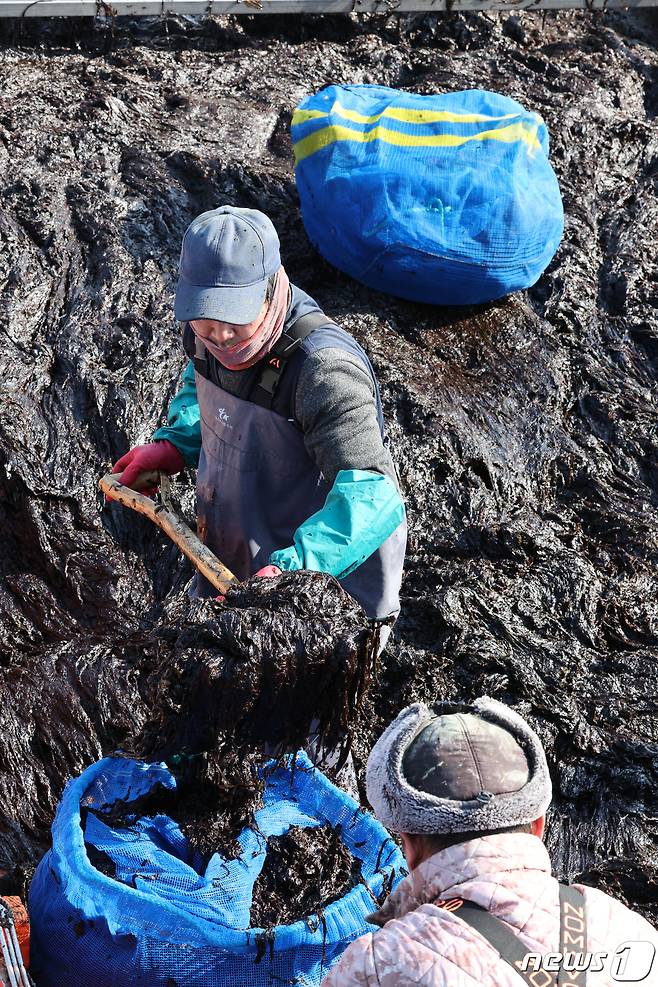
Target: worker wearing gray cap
x,y
280,411
467,787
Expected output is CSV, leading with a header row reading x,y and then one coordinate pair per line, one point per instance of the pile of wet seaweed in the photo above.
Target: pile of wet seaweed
x,y
282,663
305,871
236,686
524,431
282,659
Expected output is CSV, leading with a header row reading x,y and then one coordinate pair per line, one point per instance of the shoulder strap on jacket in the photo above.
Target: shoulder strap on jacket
x,y
503,940
264,388
573,939
573,934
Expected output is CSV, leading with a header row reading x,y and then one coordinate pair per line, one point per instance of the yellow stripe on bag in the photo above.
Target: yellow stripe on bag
x,y
398,113
301,116
329,135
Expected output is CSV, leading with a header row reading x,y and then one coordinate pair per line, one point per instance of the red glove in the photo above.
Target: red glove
x,y
268,570
156,457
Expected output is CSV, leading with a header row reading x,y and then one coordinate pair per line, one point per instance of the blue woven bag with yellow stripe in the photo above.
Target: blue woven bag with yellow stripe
x,y
448,199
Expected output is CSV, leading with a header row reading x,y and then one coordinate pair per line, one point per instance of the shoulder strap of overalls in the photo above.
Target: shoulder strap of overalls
x,y
265,386
573,938
200,359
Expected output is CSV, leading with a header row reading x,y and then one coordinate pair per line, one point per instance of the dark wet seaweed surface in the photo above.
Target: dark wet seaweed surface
x,y
304,871
281,659
524,431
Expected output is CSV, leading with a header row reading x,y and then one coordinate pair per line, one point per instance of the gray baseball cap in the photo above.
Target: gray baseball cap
x,y
227,257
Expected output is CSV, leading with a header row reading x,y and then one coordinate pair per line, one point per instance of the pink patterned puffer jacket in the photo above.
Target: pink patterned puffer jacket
x,y
508,874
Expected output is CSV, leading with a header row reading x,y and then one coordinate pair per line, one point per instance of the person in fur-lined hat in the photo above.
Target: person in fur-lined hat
x,y
467,788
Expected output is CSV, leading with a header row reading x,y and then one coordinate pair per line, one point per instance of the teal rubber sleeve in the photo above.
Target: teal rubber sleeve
x,y
183,428
361,510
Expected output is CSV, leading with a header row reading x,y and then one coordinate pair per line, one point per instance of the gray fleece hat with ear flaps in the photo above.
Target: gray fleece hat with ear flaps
x,y
458,768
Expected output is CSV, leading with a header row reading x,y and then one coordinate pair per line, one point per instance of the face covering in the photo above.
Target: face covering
x,y
246,352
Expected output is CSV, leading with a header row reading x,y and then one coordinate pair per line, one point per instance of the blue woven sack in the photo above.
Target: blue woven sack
x,y
165,923
447,199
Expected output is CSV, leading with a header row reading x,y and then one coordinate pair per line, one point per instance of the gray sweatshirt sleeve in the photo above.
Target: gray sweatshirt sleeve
x,y
335,408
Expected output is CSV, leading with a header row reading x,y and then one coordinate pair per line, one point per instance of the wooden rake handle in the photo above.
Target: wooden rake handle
x,y
166,518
